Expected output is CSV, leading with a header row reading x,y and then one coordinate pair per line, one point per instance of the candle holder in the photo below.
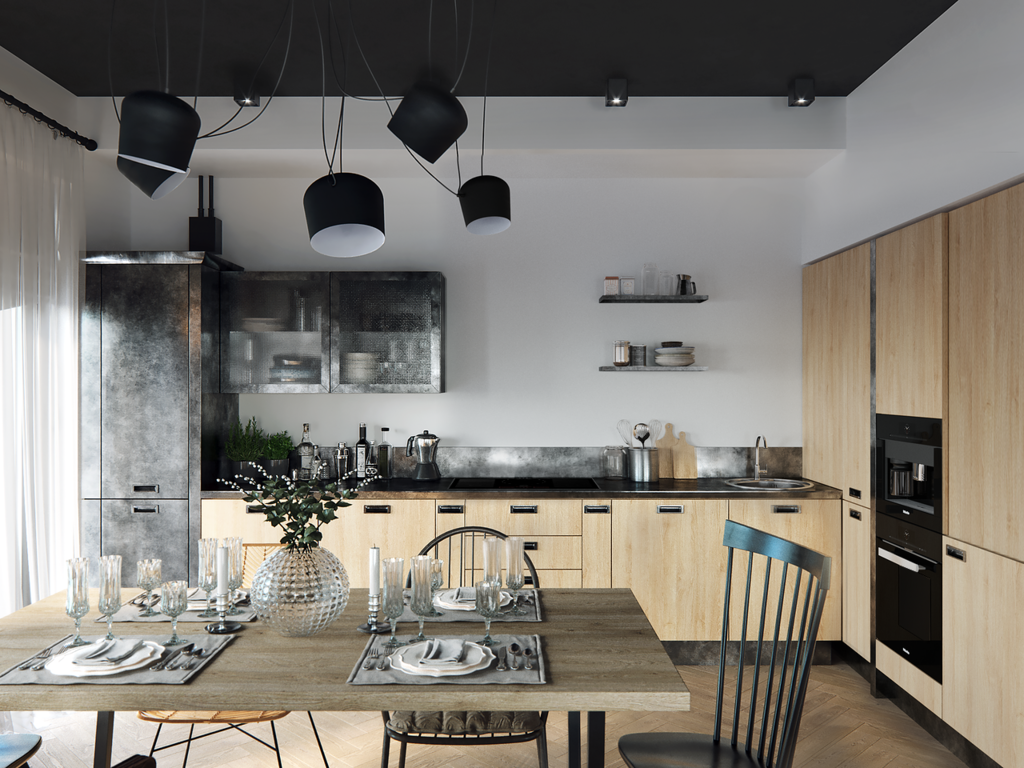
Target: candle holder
x,y
223,627
371,627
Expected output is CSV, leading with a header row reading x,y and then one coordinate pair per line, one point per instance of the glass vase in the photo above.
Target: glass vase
x,y
300,592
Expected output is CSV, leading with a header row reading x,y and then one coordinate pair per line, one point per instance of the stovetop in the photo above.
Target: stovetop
x,y
524,483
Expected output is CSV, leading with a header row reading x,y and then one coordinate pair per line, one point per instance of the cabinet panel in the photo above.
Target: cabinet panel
x,y
910,320
597,544
818,526
230,517
908,677
984,450
858,555
527,517
674,563
983,680
139,529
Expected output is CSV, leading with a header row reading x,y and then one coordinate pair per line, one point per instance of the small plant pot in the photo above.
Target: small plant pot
x,y
275,467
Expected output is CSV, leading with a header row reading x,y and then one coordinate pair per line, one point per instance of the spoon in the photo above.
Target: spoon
x,y
641,433
515,650
527,655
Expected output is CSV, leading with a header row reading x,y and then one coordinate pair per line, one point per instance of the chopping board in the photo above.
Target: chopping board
x,y
676,457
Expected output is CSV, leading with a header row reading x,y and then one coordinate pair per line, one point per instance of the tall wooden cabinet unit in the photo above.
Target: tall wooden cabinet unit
x,y
837,373
858,555
985,449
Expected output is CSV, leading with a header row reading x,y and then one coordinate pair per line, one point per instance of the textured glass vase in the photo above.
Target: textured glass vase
x,y
300,592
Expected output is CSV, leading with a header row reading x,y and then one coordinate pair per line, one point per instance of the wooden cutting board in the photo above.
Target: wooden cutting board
x,y
676,457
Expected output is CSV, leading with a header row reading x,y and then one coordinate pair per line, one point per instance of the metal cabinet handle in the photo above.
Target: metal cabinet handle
x,y
377,509
955,553
253,509
532,546
855,514
785,509
523,509
596,509
527,579
671,509
855,493
146,510
146,488
449,509
900,561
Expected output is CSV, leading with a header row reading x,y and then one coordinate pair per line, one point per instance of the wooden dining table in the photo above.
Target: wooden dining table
x,y
600,650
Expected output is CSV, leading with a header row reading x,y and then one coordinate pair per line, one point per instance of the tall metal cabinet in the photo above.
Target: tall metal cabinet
x,y
152,415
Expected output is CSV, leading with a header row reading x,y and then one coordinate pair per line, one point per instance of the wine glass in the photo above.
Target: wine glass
x,y
488,597
173,602
208,573
492,559
514,571
235,572
148,578
110,590
422,603
393,597
78,596
436,582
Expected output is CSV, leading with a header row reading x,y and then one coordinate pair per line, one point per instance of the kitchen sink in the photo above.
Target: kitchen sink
x,y
769,484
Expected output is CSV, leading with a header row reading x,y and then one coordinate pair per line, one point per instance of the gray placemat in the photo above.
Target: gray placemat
x,y
130,611
529,601
212,644
488,676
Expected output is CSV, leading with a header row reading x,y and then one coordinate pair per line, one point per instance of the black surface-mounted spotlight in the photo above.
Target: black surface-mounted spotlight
x,y
429,120
617,92
158,134
486,205
247,99
344,215
801,92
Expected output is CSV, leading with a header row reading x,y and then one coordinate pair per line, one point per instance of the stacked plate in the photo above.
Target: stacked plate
x,y
361,366
673,356
65,664
408,660
463,599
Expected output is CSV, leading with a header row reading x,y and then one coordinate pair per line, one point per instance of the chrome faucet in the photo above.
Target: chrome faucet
x,y
757,456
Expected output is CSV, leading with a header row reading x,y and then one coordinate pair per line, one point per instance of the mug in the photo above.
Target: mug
x,y
686,286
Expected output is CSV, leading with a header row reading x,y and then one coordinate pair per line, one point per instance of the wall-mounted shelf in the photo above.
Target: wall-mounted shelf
x,y
637,299
655,368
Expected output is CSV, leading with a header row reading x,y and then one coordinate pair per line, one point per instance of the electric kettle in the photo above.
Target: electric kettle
x,y
425,445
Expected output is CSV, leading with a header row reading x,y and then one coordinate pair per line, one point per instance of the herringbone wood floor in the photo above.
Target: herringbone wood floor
x,y
842,726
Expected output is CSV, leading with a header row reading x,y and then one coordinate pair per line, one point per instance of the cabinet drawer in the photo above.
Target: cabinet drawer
x,y
139,529
527,517
552,553
228,517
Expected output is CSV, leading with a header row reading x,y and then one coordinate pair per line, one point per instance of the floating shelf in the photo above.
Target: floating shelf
x,y
655,368
638,299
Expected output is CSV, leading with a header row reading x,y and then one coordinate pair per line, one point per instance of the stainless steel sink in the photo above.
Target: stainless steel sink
x,y
769,484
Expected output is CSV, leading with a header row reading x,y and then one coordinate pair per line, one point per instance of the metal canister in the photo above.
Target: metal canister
x,y
643,465
638,354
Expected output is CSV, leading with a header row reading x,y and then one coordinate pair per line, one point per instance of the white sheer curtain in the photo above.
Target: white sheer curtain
x,y
42,230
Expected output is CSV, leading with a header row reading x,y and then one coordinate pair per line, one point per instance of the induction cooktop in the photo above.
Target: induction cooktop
x,y
524,484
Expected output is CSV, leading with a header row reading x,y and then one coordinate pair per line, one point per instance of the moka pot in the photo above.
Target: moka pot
x,y
425,447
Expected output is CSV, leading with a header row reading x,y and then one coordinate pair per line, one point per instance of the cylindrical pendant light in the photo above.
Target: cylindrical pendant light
x,y
158,134
429,120
344,215
486,205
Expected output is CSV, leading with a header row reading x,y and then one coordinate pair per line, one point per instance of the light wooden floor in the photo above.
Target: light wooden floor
x,y
842,726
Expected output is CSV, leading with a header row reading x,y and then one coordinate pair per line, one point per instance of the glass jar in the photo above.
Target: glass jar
x,y
613,462
649,278
621,353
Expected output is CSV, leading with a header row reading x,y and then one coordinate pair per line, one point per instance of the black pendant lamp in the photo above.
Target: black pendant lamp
x,y
158,134
486,205
344,215
429,120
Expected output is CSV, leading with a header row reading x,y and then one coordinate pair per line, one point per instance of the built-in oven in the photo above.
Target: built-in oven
x,y
908,528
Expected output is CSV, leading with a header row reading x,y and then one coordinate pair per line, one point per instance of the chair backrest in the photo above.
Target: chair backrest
x,y
790,643
253,556
458,548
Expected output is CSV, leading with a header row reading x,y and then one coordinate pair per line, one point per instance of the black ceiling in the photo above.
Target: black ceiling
x,y
540,47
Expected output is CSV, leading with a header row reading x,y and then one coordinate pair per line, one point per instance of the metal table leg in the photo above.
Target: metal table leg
x,y
104,739
574,740
595,739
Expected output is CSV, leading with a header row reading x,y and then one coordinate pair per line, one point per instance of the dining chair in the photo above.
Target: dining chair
x,y
253,555
782,658
16,749
457,548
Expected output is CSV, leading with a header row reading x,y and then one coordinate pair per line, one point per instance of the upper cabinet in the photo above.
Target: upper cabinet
x,y
910,320
837,373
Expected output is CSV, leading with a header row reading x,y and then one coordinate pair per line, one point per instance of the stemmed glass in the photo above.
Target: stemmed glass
x,y
208,573
78,596
492,559
436,582
393,598
173,602
422,603
148,578
234,544
514,571
110,590
487,600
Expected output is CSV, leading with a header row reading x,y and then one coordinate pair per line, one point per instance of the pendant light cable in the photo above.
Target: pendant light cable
x,y
323,103
110,66
199,63
469,39
487,76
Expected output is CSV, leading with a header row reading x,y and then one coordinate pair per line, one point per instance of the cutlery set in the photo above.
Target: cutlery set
x,y
184,658
374,658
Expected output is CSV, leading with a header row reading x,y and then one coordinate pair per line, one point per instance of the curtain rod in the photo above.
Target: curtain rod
x,y
63,130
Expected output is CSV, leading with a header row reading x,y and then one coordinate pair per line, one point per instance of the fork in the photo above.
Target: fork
x,y
383,663
371,658
42,656
111,659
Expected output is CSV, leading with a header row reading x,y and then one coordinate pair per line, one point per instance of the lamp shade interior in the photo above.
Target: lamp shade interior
x,y
344,215
429,120
157,136
486,205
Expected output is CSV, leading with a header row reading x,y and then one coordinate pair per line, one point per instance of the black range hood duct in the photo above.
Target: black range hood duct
x,y
204,231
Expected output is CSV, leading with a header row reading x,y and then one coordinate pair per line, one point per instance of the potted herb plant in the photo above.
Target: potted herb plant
x,y
244,447
276,450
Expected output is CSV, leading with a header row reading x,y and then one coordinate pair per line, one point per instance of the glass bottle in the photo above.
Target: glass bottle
x,y
650,279
384,455
362,452
341,460
305,450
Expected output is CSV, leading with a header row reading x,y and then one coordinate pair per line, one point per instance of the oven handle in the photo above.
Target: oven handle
x,y
900,561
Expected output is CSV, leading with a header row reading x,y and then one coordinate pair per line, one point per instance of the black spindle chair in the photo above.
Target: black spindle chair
x,y
782,660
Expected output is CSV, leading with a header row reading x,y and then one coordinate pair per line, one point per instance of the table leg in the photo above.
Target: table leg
x,y
104,739
574,740
595,739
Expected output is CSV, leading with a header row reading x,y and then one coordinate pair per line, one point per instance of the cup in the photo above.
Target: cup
x,y
393,601
643,465
649,276
514,578
77,604
686,286
668,284
492,559
421,600
148,577
110,590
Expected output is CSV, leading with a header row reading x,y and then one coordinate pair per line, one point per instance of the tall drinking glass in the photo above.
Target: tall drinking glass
x,y
173,602
235,572
148,577
208,573
492,559
488,598
78,596
436,582
514,571
421,603
393,598
110,590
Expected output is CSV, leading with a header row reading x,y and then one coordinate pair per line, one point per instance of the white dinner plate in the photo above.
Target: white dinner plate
x,y
444,599
64,665
407,660
674,350
673,364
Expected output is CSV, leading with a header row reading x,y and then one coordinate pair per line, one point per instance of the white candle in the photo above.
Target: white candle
x,y
223,553
374,570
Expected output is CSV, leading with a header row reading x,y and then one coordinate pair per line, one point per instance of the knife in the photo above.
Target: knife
x,y
162,664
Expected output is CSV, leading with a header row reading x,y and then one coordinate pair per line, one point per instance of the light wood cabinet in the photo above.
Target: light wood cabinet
x,y
527,517
597,545
910,320
984,449
983,678
858,554
837,373
813,523
674,562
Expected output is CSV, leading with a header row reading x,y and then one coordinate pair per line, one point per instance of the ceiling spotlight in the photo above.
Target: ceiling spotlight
x,y
344,215
486,205
801,92
616,94
158,134
247,100
429,120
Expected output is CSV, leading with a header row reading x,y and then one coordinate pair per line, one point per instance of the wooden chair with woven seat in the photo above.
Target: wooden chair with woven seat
x,y
793,630
457,548
16,749
254,554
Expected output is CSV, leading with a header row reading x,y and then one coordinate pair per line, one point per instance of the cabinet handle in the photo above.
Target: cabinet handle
x,y
603,509
855,514
527,580
449,509
253,509
671,509
146,488
146,510
530,545
855,493
377,509
785,509
523,509
902,562
958,554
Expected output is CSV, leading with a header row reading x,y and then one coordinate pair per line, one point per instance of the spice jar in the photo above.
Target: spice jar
x,y
621,353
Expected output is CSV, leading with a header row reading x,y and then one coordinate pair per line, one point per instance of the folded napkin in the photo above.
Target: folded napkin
x,y
444,651
464,595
